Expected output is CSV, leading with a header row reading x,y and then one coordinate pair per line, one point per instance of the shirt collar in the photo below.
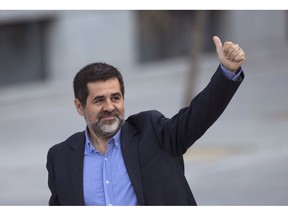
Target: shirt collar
x,y
115,140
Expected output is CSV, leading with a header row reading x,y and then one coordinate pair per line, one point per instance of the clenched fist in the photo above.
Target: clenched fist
x,y
231,55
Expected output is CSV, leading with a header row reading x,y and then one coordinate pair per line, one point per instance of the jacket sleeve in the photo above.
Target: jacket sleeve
x,y
190,123
51,180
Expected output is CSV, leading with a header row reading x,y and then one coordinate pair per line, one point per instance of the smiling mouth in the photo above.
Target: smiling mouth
x,y
108,118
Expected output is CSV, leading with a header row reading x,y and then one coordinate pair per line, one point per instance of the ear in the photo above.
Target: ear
x,y
79,107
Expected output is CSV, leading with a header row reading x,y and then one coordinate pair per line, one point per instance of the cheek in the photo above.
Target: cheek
x,y
91,115
121,109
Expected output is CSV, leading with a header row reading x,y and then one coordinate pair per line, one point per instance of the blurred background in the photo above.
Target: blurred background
x,y
166,58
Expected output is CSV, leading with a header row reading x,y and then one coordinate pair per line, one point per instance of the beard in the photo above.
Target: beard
x,y
107,128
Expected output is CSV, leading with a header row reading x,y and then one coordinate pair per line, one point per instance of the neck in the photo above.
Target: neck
x,y
99,143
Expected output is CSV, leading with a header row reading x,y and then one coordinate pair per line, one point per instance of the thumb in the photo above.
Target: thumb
x,y
218,44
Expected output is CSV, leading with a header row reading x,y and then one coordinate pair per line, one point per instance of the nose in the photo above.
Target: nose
x,y
108,106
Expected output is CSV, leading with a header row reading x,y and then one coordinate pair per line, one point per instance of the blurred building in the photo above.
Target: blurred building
x,y
51,46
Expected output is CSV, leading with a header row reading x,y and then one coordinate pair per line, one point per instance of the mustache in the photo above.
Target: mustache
x,y
104,114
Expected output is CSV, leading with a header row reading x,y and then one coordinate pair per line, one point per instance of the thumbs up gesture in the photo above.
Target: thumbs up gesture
x,y
230,54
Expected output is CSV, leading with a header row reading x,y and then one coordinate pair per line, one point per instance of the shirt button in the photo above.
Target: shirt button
x,y
110,204
105,158
107,182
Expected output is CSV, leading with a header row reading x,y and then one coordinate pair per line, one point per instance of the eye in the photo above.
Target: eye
x,y
116,98
99,100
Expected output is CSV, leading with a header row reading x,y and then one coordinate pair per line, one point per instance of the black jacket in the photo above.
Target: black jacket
x,y
152,147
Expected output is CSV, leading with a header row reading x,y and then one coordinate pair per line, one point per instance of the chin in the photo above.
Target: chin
x,y
111,128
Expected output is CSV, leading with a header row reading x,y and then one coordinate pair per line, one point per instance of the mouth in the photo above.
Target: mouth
x,y
108,118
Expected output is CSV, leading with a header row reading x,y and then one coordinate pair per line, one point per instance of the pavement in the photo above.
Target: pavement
x,y
241,160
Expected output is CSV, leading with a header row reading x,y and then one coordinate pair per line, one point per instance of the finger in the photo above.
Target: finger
x,y
218,43
227,47
237,50
240,57
231,50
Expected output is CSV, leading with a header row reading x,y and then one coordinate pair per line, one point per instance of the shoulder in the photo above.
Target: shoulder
x,y
145,116
146,120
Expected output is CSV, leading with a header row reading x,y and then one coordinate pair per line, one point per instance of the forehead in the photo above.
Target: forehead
x,y
103,88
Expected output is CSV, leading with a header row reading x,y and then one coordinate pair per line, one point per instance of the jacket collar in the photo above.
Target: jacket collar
x,y
129,142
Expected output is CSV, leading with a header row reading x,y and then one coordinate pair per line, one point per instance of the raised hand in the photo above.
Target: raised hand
x,y
231,55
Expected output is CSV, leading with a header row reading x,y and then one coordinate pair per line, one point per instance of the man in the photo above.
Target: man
x,y
138,161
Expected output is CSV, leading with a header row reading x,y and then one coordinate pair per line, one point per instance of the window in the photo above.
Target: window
x,y
22,52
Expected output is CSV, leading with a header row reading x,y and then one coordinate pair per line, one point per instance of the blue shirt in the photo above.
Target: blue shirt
x,y
105,178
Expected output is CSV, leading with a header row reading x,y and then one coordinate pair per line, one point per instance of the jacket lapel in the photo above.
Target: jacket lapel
x,y
76,158
129,140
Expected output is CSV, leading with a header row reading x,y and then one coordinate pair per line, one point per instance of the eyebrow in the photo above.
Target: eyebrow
x,y
98,97
116,94
102,96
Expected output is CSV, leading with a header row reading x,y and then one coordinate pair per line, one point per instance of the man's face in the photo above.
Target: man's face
x,y
104,111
